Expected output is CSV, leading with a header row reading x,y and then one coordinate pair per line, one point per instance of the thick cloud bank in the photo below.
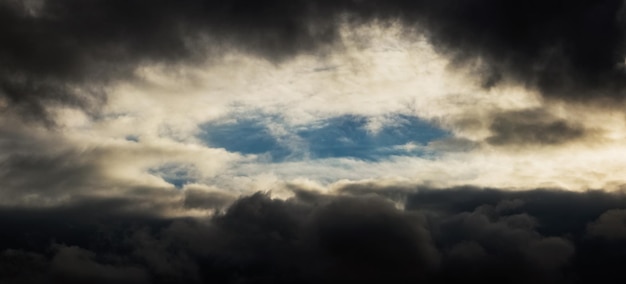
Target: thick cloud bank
x,y
457,235
68,51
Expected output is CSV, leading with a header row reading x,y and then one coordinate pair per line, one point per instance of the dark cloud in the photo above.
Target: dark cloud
x,y
610,225
570,49
202,199
534,127
442,236
28,173
68,51
453,144
22,267
75,265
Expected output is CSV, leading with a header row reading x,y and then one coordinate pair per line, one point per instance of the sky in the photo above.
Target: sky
x,y
312,141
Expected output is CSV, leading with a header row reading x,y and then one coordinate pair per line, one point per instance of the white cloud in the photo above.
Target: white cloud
x,y
375,73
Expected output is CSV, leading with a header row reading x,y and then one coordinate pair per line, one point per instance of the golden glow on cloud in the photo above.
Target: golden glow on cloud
x,y
375,74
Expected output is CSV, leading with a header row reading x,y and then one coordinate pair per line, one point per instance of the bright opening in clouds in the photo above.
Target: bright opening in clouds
x,y
346,136
236,141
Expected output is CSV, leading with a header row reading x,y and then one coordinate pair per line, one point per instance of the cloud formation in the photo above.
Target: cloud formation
x,y
69,51
441,236
402,141
533,127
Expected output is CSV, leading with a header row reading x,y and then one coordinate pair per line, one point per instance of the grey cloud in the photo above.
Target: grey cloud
x,y
534,127
453,145
610,225
46,174
502,241
22,267
509,205
163,257
68,51
201,199
67,264
550,253
443,236
75,265
38,167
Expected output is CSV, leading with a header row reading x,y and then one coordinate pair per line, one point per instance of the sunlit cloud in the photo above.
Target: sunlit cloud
x,y
207,141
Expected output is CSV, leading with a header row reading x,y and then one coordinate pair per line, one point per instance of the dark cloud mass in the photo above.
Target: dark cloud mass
x,y
533,127
457,235
66,218
68,51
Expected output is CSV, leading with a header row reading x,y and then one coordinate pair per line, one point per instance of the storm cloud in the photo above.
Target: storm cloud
x,y
441,236
68,52
278,141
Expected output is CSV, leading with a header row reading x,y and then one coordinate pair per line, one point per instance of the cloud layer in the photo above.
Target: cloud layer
x,y
402,141
440,236
69,51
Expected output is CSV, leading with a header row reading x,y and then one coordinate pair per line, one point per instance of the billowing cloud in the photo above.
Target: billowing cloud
x,y
70,51
305,141
610,225
440,236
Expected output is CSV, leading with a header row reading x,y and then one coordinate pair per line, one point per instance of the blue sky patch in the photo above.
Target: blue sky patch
x,y
348,136
343,136
174,173
244,136
133,138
